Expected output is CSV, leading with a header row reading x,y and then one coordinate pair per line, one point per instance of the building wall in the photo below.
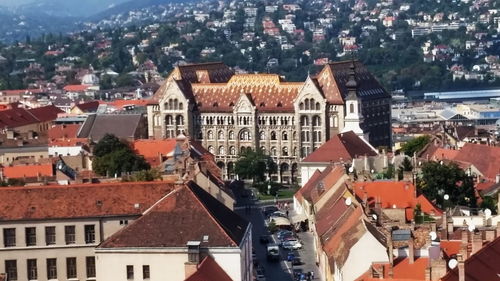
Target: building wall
x,y
60,250
7,158
64,150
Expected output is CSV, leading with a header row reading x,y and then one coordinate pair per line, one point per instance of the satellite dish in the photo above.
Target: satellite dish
x,y
351,169
373,171
452,263
348,201
433,235
374,216
446,197
471,227
487,212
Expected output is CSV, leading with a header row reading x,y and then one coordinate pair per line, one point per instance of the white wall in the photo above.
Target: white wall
x,y
64,150
307,170
361,256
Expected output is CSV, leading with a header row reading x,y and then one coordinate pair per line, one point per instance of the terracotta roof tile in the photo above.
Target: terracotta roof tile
x,y
395,194
74,201
450,247
483,265
76,88
193,213
28,171
63,131
209,269
485,158
153,149
46,113
86,107
342,147
402,270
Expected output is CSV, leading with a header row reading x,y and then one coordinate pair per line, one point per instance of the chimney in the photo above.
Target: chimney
x,y
477,242
461,267
411,251
193,258
428,274
449,229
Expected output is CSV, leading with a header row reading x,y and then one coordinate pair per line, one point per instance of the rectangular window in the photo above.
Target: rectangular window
x,y
89,234
130,272
145,272
30,236
71,268
90,263
9,237
32,270
69,234
11,269
50,235
51,269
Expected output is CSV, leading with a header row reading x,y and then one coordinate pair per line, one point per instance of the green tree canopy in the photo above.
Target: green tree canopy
x,y
113,156
254,165
440,179
415,145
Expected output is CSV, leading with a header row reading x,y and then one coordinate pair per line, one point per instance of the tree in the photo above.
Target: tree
x,y
415,145
439,179
406,165
254,165
114,157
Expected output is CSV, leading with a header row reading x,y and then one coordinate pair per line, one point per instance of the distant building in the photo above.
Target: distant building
x,y
229,112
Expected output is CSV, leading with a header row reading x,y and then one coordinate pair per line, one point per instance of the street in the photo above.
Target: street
x,y
282,270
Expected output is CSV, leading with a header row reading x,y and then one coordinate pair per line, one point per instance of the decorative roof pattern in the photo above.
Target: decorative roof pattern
x,y
267,92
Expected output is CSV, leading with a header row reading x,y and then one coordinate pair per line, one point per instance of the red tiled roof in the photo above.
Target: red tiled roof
x,y
483,265
485,158
402,270
395,194
152,149
76,88
28,171
121,103
78,201
305,191
16,117
450,247
90,106
186,214
342,147
444,154
21,91
46,113
63,131
207,270
68,142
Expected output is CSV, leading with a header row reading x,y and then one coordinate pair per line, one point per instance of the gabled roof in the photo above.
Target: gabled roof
x,y
153,149
80,201
17,117
400,195
96,126
86,107
76,88
209,269
186,214
341,147
46,113
402,270
485,158
334,83
63,131
483,265
305,191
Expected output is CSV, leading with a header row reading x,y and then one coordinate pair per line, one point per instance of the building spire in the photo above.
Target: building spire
x,y
352,85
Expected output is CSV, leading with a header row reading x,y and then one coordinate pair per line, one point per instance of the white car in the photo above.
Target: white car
x,y
291,244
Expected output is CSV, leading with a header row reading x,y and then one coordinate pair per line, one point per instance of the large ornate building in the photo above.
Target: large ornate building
x,y
230,112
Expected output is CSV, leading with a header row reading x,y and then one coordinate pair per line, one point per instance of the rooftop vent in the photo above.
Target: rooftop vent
x,y
98,203
137,205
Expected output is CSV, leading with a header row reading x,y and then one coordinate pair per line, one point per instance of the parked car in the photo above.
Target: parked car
x,y
282,233
291,244
279,214
269,210
296,261
264,239
259,274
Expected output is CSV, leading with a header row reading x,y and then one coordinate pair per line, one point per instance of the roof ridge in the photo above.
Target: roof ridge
x,y
218,223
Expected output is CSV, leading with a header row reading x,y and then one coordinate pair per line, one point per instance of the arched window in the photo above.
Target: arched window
x,y
242,150
307,104
273,135
179,120
263,149
220,135
262,135
176,104
284,136
232,150
304,121
210,135
294,135
316,121
318,106
284,151
169,120
231,135
245,135
351,108
170,104
294,151
211,149
222,151
301,106
200,135
274,152
181,107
